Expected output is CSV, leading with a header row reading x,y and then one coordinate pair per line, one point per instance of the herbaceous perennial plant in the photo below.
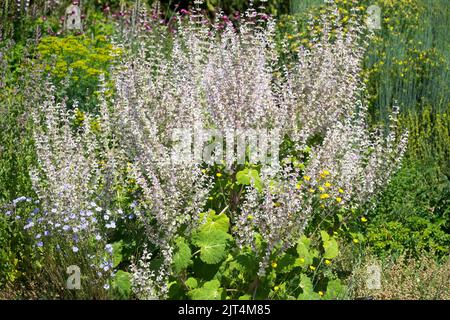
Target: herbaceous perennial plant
x,y
226,77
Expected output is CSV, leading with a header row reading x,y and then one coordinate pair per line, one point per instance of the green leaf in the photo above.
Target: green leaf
x,y
305,255
191,283
213,221
209,291
325,235
308,289
334,290
245,297
122,283
330,246
212,244
249,177
117,253
182,256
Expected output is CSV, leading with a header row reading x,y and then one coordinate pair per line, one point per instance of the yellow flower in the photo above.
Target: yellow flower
x,y
324,196
338,199
355,241
276,288
326,172
312,268
320,293
250,217
327,184
210,198
341,190
218,174
321,188
274,264
302,260
298,185
311,190
203,170
307,178
327,262
363,219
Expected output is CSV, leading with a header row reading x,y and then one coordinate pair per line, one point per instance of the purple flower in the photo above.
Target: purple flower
x,y
66,227
40,244
75,249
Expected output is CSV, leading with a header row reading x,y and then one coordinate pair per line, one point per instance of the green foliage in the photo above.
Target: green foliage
x,y
210,290
121,284
249,177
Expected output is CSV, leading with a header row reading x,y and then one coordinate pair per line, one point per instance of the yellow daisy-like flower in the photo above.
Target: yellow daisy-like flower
x,y
327,184
302,260
321,293
327,262
276,288
203,170
311,190
307,178
338,199
324,196
326,172
250,217
363,219
312,268
341,190
218,174
298,185
321,188
355,241
274,264
210,198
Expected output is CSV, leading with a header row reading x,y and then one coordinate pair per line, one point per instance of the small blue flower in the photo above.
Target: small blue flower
x,y
20,199
106,286
66,228
38,236
29,225
40,244
98,237
46,233
111,225
75,249
8,213
109,248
